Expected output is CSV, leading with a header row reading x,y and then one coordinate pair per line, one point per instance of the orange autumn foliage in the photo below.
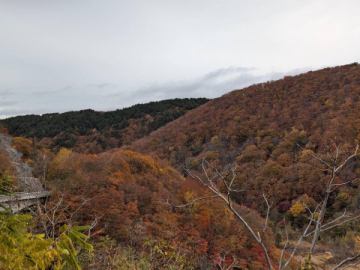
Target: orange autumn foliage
x,y
270,130
133,197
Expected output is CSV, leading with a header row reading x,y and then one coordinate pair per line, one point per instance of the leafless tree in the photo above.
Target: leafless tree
x,y
224,264
51,216
221,185
211,182
334,166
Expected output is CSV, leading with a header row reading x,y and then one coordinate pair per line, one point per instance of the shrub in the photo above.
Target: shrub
x,y
21,249
23,145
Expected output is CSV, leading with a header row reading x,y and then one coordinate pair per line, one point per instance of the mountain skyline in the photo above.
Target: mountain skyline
x,y
118,53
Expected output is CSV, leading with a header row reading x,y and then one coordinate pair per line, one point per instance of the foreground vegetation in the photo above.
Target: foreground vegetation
x,y
20,248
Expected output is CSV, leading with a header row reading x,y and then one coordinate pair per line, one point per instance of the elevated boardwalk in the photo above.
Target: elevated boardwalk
x,y
18,201
31,187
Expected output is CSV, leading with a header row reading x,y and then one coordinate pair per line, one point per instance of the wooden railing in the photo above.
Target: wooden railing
x,y
21,196
18,201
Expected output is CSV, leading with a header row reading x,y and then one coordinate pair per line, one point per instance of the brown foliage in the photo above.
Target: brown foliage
x,y
134,197
23,145
270,130
5,164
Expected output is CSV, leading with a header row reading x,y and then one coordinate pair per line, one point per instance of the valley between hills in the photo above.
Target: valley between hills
x,y
265,177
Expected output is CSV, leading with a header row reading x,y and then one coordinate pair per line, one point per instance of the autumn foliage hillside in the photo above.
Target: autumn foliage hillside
x,y
135,200
271,130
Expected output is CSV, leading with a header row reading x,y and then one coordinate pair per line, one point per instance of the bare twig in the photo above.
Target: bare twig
x,y
300,239
347,261
328,190
212,177
284,247
193,201
267,212
226,197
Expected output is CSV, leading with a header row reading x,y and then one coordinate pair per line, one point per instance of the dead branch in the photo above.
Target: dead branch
x,y
335,169
212,177
346,262
267,212
226,197
193,201
284,247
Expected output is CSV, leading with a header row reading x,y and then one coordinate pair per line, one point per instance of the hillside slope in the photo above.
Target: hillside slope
x,y
269,130
25,182
132,196
92,131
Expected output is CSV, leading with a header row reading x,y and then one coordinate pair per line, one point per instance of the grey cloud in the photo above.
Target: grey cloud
x,y
7,103
71,55
210,85
106,96
6,93
226,71
7,100
103,85
48,92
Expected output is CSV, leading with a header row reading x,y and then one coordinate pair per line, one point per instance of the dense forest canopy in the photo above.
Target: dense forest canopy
x,y
271,131
133,196
93,131
324,104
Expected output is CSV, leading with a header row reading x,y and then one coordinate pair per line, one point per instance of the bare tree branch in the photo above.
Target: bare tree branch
x,y
300,239
328,190
347,261
267,212
212,177
338,168
209,183
284,247
193,201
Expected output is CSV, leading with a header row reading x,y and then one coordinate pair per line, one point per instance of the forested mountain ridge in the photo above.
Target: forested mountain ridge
x,y
270,130
309,101
93,131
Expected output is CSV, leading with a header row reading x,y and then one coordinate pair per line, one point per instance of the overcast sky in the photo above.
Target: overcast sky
x,y
59,55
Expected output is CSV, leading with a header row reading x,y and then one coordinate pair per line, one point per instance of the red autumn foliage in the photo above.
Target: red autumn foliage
x,y
269,130
135,197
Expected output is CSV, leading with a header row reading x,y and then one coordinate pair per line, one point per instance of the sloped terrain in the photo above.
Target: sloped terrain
x,y
271,131
323,103
25,182
92,131
134,200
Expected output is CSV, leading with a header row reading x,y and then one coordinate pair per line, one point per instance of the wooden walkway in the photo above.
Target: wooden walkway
x,y
32,190
18,201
